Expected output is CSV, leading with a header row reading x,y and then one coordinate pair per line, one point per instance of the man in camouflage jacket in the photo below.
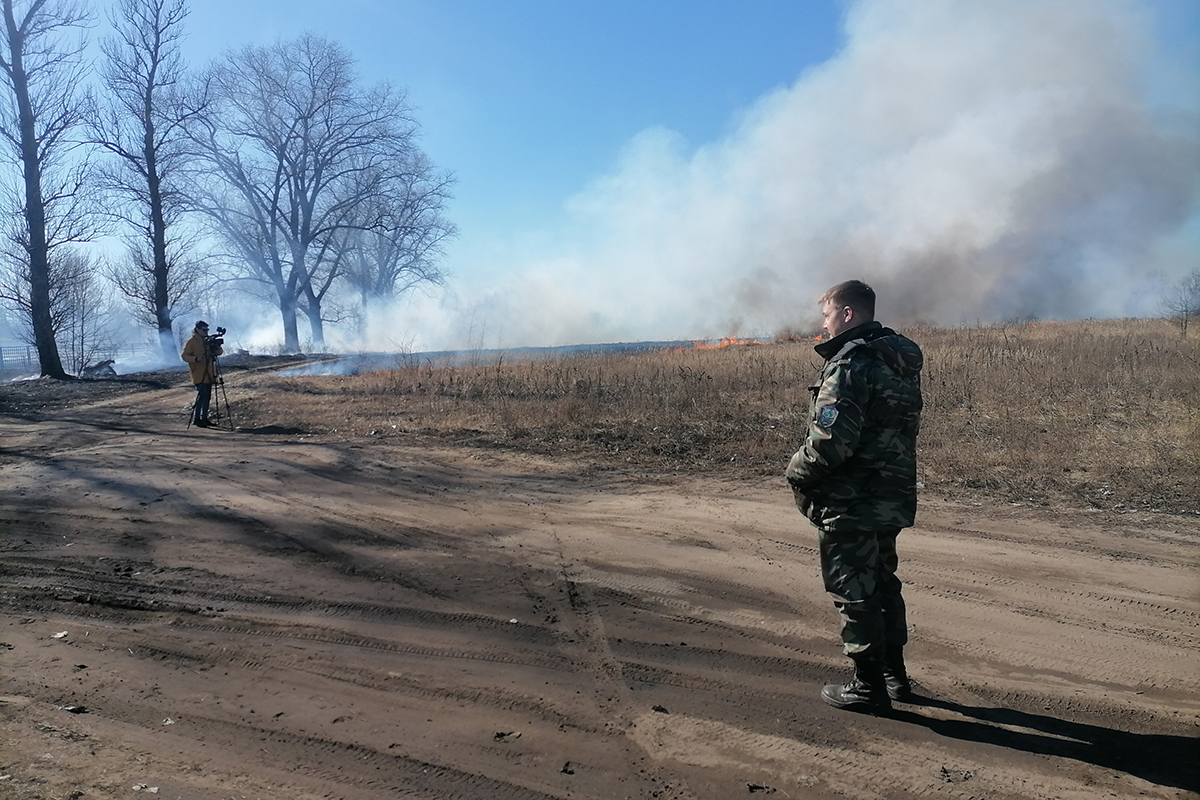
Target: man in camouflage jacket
x,y
855,479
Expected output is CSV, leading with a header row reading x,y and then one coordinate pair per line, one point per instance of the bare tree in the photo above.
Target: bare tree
x,y
302,155
139,275
1181,302
386,262
43,69
81,315
84,319
141,125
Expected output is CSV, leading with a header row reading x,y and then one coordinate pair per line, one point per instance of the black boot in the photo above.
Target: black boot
x,y
895,676
866,692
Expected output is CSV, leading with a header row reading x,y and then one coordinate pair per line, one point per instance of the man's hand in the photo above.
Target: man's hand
x,y
803,501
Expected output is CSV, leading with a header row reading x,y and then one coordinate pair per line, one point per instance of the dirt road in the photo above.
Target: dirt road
x,y
262,615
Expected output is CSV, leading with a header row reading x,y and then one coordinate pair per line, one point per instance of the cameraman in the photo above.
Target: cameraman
x,y
201,358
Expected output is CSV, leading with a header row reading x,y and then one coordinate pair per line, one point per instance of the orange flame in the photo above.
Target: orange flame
x,y
728,341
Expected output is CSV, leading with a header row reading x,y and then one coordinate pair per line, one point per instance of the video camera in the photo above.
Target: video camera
x,y
215,340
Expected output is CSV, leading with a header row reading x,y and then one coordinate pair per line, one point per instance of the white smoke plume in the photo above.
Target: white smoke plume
x,y
972,160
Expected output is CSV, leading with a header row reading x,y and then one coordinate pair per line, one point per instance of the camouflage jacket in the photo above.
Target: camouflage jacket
x,y
857,469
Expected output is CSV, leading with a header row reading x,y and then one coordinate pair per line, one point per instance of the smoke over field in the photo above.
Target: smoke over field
x,y
974,161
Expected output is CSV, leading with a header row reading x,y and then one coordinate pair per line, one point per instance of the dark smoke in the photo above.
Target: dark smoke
x,y
975,161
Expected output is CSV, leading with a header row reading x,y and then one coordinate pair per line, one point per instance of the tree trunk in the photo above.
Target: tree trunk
x,y
291,333
35,208
312,304
168,345
317,326
158,235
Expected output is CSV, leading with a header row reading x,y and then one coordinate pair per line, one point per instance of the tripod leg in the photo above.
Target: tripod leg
x,y
219,392
217,415
225,399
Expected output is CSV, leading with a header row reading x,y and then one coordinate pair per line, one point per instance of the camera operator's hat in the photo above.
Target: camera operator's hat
x,y
201,323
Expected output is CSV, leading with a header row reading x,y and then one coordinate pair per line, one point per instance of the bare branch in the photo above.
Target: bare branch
x,y
297,157
41,105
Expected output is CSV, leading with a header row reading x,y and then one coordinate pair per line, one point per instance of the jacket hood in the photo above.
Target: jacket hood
x,y
900,353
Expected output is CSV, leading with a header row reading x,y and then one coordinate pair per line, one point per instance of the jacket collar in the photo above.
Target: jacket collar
x,y
867,331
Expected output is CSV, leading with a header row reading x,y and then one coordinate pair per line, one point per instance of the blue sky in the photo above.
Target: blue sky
x,y
672,169
527,101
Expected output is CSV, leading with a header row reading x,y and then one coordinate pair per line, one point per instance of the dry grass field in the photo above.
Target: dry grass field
x,y
1099,414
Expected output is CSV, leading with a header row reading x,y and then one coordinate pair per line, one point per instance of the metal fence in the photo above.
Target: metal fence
x,y
17,357
25,357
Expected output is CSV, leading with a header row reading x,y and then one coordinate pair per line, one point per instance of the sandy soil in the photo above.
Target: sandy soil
x,y
261,614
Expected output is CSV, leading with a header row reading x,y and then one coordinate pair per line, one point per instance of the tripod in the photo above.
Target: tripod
x,y
219,399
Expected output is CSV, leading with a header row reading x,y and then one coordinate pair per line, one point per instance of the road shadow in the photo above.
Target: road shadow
x,y
1161,759
281,430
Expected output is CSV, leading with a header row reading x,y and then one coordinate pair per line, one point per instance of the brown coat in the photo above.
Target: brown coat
x,y
196,355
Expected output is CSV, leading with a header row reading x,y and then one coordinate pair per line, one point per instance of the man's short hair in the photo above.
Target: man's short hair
x,y
855,294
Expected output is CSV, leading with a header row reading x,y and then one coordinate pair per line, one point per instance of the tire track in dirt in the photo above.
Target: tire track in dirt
x,y
797,635
510,655
1135,627
1031,658
610,697
75,583
721,660
723,600
347,758
503,651
644,668
742,713
613,578
1088,607
1036,595
342,765
411,686
807,767
1068,548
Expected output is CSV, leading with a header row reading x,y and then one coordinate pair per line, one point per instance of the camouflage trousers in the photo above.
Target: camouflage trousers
x,y
859,570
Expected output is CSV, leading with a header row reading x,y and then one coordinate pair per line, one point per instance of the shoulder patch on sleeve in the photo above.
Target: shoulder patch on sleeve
x,y
826,416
